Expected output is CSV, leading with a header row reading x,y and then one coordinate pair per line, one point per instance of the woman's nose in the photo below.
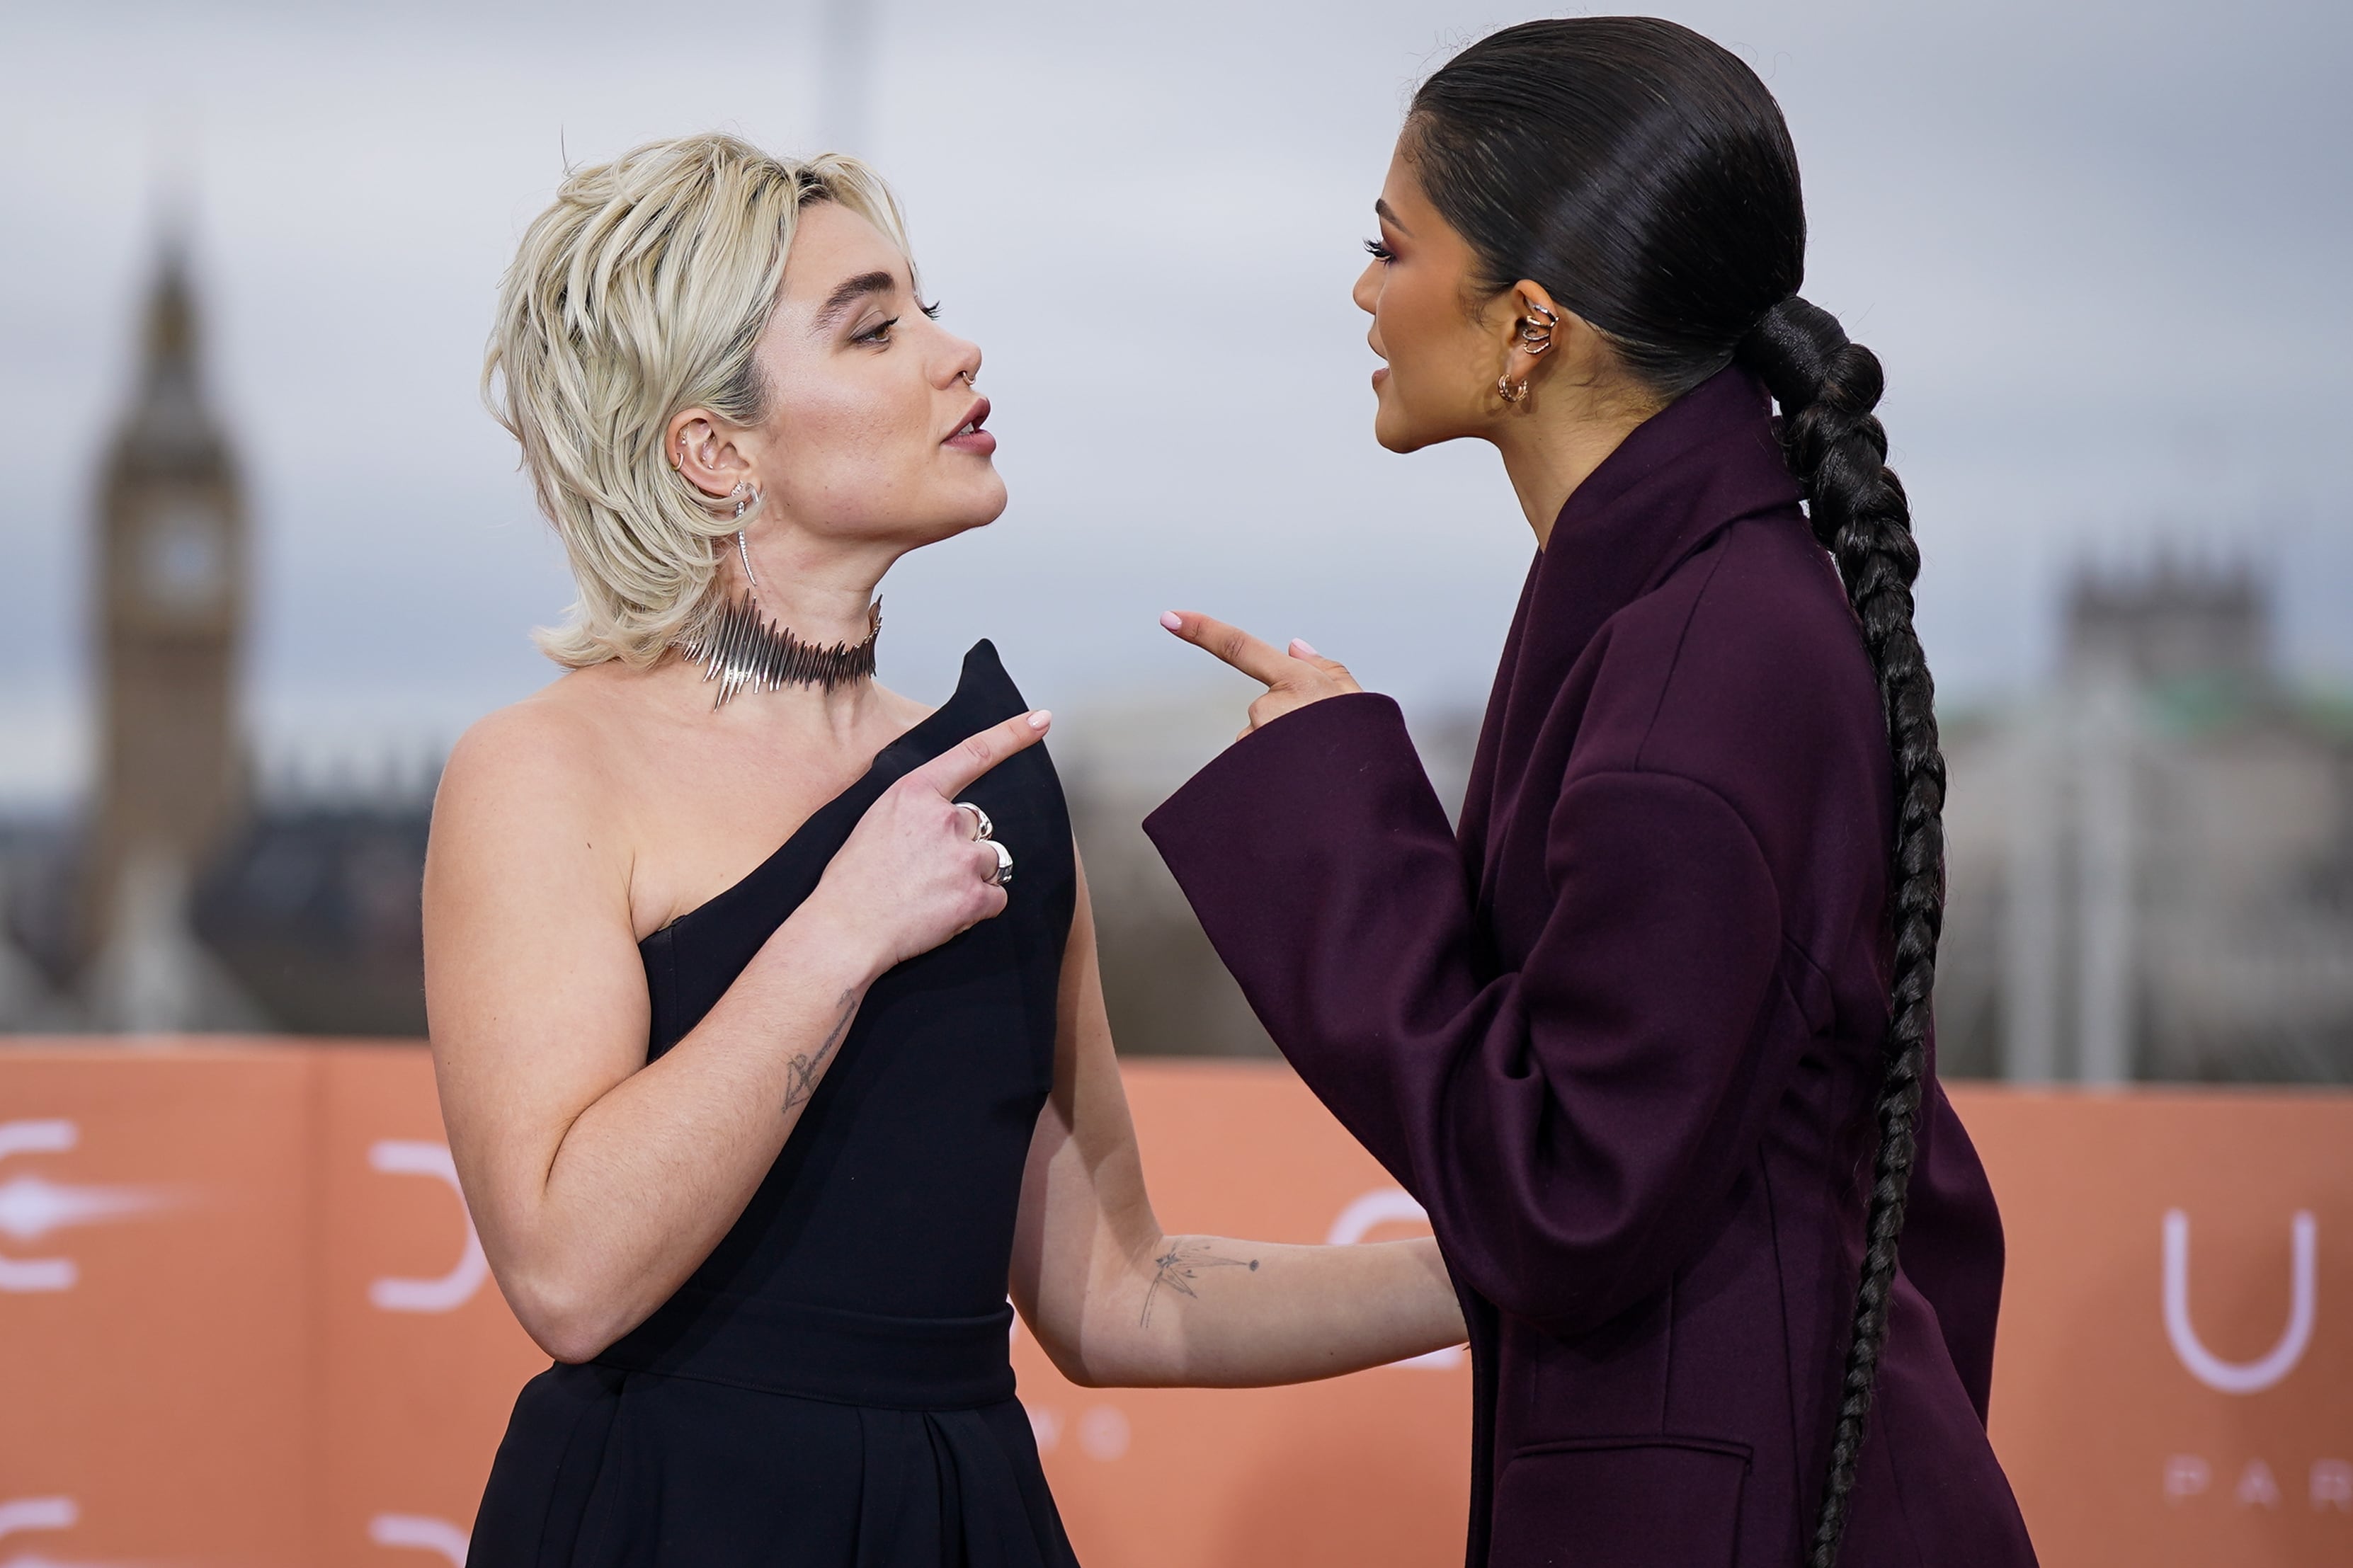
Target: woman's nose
x,y
964,361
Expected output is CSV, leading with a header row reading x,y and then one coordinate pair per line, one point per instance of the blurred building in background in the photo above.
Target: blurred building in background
x,y
184,898
170,600
2152,860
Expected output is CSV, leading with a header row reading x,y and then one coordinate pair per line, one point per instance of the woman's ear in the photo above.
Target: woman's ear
x,y
1528,329
703,449
1535,319
1551,344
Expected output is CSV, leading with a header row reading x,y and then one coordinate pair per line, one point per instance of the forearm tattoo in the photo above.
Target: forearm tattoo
x,y
1187,1257
809,1065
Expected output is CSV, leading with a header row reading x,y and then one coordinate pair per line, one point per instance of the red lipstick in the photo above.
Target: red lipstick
x,y
969,436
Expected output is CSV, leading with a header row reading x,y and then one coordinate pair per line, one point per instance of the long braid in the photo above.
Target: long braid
x,y
1827,387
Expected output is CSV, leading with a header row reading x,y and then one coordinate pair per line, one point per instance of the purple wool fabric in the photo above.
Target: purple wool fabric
x,y
1620,1034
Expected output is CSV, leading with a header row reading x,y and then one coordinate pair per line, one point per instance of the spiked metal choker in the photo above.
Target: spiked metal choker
x,y
740,647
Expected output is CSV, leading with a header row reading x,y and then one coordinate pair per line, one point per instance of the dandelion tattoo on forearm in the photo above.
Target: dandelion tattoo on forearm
x,y
1182,1264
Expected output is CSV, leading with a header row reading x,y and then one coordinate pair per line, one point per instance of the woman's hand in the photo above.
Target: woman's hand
x,y
914,873
1294,678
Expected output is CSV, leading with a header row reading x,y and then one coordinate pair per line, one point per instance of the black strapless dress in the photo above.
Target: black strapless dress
x,y
831,1388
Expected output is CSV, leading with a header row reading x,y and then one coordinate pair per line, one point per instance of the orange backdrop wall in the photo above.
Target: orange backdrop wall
x,y
244,1320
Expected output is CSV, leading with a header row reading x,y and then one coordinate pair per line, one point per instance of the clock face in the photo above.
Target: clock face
x,y
184,564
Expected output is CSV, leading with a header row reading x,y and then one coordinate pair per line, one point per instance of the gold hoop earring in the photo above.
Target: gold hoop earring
x,y
1509,393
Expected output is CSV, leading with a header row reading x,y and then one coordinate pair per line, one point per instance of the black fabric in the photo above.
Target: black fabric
x,y
831,1388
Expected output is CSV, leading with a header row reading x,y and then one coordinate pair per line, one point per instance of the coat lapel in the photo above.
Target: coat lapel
x,y
1701,464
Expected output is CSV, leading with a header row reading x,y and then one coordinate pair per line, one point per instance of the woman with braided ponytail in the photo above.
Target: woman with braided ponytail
x,y
1649,1036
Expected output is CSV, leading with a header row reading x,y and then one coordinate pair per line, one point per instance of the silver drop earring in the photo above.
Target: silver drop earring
x,y
740,647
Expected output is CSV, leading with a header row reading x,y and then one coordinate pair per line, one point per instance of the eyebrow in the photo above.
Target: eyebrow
x,y
850,291
1389,214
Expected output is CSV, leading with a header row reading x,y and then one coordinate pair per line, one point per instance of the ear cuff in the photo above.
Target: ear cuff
x,y
1535,336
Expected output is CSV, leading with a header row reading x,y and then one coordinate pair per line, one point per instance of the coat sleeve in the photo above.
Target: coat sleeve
x,y
1570,1126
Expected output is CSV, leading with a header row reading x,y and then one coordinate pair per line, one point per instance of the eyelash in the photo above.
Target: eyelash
x,y
880,331
1378,251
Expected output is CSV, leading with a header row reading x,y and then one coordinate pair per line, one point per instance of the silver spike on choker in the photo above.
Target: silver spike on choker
x,y
740,647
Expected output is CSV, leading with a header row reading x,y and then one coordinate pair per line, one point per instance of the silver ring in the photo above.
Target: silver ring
x,y
981,826
1003,876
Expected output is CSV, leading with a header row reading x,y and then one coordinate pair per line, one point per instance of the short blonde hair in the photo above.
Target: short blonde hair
x,y
642,292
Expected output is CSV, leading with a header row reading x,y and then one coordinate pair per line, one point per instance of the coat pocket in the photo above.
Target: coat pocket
x,y
1620,1502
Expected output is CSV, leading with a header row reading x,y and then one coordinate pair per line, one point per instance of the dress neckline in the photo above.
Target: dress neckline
x,y
979,660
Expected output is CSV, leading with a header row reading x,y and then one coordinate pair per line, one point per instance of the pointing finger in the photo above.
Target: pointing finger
x,y
1259,660
953,770
1333,668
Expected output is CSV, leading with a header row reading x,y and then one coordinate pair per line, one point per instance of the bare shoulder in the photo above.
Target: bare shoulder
x,y
556,726
529,970
530,774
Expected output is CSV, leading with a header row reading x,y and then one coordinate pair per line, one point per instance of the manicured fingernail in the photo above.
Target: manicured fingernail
x,y
1304,648
1040,719
1172,620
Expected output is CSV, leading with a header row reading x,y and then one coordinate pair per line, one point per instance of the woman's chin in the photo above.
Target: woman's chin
x,y
990,504
1395,433
980,506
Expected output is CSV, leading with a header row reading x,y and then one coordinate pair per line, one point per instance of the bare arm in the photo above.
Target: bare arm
x,y
1115,1301
599,1181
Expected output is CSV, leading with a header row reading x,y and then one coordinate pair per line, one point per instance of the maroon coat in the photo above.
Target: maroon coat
x,y
1620,1034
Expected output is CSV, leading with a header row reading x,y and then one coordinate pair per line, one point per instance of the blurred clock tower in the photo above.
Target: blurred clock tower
x,y
169,600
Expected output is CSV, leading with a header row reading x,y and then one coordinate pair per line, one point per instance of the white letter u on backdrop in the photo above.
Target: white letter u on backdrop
x,y
2249,1376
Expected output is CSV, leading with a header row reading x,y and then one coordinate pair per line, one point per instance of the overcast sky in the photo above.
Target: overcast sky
x,y
2101,247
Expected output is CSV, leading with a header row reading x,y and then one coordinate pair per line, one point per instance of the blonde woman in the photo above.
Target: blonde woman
x,y
765,1002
